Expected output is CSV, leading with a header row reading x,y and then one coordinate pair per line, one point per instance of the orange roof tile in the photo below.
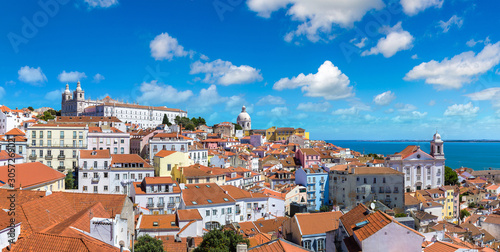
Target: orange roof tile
x,y
318,223
164,153
278,245
47,242
15,132
95,154
4,155
205,194
127,159
189,214
30,174
158,221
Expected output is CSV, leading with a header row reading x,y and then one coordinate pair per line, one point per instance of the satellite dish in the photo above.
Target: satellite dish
x,y
372,205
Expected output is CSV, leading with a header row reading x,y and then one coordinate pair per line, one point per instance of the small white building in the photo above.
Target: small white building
x,y
111,138
12,118
156,195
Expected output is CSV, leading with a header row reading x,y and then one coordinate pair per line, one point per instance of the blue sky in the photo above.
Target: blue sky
x,y
342,69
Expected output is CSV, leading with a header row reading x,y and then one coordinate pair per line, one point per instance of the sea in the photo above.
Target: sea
x,y
475,155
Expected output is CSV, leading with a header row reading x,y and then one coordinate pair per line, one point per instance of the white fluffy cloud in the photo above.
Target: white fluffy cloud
x,y
101,3
465,110
279,112
316,16
225,73
461,69
314,107
2,92
454,20
489,94
359,44
270,100
158,93
384,98
166,47
396,40
329,82
209,96
412,7
98,78
31,75
472,42
73,76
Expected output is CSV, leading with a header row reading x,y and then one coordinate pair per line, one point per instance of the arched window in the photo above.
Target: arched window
x,y
212,225
419,170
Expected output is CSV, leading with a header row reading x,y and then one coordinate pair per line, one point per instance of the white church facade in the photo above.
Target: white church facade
x,y
75,104
421,170
244,119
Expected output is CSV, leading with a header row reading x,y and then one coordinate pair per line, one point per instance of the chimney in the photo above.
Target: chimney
x,y
242,247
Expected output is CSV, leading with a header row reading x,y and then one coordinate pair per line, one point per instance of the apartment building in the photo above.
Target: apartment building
x,y
156,195
352,186
56,145
111,138
316,182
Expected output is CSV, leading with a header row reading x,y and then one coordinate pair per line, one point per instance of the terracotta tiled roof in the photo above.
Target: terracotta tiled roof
x,y
440,246
278,245
4,155
158,221
493,219
159,180
356,215
95,154
189,214
309,152
271,225
374,170
15,132
47,242
259,239
410,149
205,194
30,174
80,220
318,223
59,125
170,245
164,153
410,200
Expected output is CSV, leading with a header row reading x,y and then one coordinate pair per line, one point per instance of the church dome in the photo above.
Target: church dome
x,y
243,116
67,89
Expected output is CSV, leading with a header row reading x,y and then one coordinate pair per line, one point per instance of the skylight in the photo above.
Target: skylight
x,y
209,201
225,199
197,186
208,186
194,202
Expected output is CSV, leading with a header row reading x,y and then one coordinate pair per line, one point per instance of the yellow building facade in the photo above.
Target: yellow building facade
x,y
165,161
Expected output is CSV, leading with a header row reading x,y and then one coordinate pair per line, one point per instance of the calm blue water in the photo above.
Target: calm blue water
x,y
478,156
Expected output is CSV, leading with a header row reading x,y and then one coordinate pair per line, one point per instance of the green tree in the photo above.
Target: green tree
x,y
464,213
218,240
190,127
237,126
31,108
472,205
324,208
400,215
201,121
147,243
165,120
450,176
195,122
69,181
47,115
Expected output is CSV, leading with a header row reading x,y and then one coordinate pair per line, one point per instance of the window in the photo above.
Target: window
x,y
61,134
207,213
115,150
95,189
96,175
41,134
105,164
84,164
33,135
229,210
169,167
84,188
132,176
49,134
364,180
122,141
41,153
95,164
122,150
307,244
105,188
117,189
85,175
80,134
49,163
74,134
321,245
140,176
49,143
105,174
214,212
383,180
125,176
117,176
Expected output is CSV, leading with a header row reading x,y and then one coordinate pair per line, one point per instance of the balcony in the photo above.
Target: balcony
x,y
171,205
61,157
322,181
150,205
238,211
32,157
61,168
96,179
160,204
48,157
